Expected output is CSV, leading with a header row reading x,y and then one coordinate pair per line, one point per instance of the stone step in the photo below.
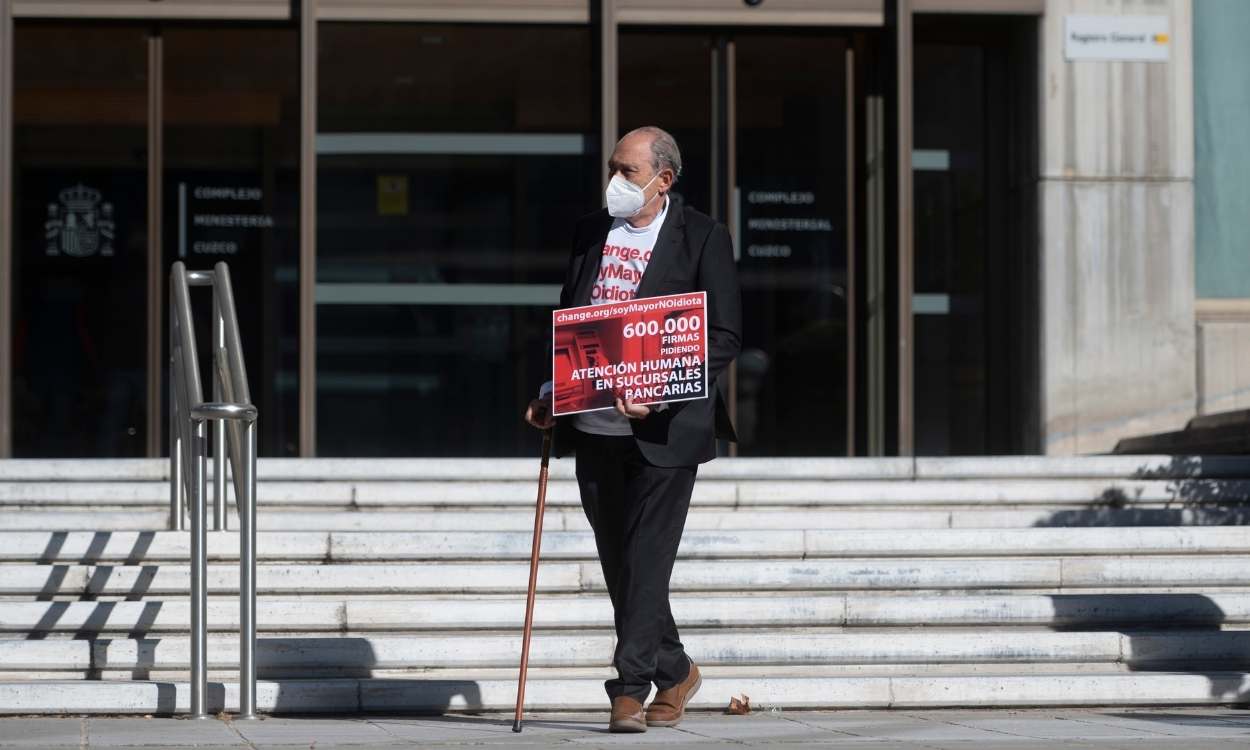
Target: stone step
x,y
139,547
593,611
572,519
525,469
1039,670
1036,573
790,687
358,656
708,492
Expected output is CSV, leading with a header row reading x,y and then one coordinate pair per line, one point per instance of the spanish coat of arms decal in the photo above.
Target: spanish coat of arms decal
x,y
80,225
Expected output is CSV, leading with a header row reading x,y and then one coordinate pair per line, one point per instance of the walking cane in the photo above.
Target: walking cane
x,y
529,597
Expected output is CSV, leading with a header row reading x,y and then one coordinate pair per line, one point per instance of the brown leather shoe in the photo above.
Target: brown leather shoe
x,y
627,715
669,706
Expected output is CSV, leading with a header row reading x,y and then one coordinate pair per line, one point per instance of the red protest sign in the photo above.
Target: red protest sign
x,y
650,351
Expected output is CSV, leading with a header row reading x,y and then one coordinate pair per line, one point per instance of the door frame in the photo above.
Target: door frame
x,y
6,229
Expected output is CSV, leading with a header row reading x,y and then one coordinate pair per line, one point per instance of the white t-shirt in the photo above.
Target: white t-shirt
x,y
626,254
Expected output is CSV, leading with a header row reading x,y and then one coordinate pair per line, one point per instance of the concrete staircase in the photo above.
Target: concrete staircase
x,y
399,585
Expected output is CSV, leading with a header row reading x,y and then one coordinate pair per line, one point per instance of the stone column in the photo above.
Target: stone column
x,y
1117,236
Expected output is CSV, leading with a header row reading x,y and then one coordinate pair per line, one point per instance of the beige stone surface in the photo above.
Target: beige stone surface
x,y
1118,338
1117,246
1223,365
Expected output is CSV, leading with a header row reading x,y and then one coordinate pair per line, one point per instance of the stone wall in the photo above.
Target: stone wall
x,y
1117,228
1223,355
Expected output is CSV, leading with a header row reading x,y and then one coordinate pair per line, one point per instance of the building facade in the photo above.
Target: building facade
x,y
962,226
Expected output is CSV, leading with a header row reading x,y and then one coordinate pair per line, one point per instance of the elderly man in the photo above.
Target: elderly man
x,y
636,464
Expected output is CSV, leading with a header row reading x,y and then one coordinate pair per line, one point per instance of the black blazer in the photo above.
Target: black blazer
x,y
692,253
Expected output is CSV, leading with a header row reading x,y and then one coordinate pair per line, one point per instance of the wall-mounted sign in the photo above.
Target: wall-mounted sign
x,y
392,195
79,224
219,219
784,223
1124,38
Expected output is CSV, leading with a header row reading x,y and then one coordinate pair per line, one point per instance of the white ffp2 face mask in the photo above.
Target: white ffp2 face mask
x,y
624,198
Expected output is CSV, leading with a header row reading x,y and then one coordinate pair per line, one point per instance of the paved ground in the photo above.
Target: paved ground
x,y
1104,729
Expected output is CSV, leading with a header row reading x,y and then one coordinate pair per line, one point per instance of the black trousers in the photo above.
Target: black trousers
x,y
638,512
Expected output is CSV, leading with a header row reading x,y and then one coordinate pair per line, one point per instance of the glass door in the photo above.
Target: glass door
x,y
80,248
975,269
231,193
762,121
452,160
791,216
87,111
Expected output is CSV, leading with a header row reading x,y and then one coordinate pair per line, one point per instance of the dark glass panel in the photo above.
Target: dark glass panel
x,y
232,194
453,162
791,198
80,241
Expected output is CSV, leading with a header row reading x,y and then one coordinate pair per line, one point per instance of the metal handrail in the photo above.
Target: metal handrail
x,y
234,442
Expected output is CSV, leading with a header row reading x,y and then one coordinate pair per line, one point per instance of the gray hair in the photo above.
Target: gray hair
x,y
664,151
